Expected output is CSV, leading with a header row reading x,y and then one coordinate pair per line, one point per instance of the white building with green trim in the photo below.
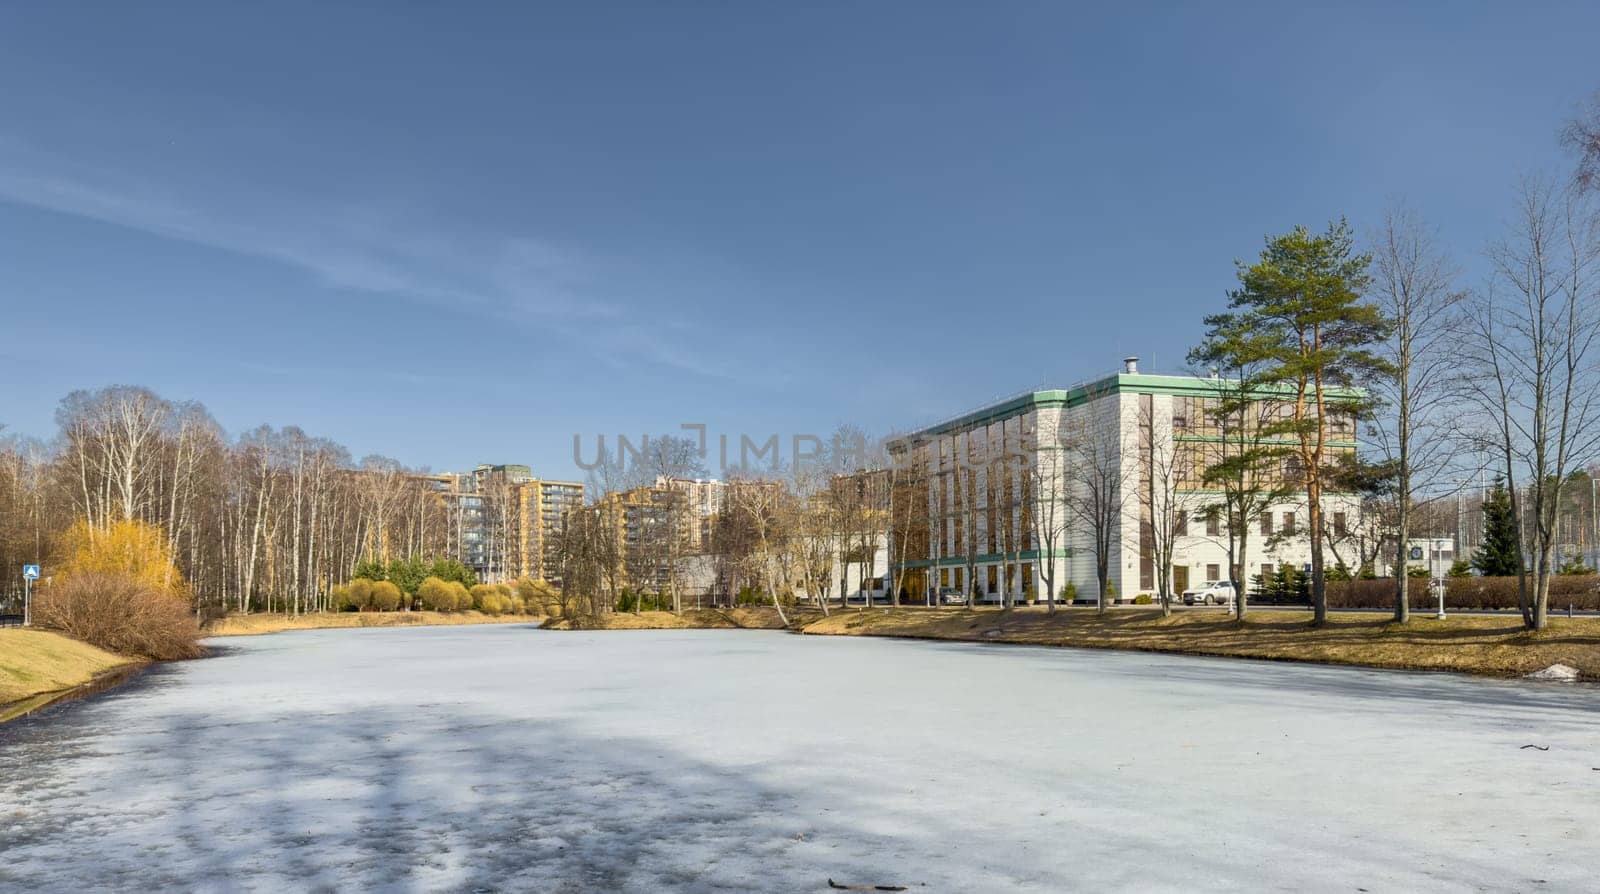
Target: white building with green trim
x,y
992,502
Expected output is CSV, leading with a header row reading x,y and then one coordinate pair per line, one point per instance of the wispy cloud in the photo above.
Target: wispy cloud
x,y
518,280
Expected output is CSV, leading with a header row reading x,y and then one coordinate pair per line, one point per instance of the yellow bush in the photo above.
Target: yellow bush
x,y
463,599
538,597
359,594
385,597
130,550
482,592
436,595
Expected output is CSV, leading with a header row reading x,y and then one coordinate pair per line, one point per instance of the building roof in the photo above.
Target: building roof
x,y
1187,386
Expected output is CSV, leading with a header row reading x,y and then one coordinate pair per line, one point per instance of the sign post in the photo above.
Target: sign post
x,y
30,573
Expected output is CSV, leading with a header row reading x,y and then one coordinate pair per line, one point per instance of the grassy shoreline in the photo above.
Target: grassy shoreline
x,y
263,622
694,618
1485,645
38,665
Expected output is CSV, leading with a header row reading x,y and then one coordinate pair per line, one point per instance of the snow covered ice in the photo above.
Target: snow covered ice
x,y
514,759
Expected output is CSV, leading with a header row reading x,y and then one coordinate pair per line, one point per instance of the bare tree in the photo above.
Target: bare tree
x,y
1582,137
1534,328
1045,495
1414,287
1162,511
1101,478
666,459
815,544
755,505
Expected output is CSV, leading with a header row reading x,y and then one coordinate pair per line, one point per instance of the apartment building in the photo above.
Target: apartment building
x,y
503,521
541,514
641,519
980,501
700,499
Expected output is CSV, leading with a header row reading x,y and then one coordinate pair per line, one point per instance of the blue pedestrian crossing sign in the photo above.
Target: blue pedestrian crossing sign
x,y
30,572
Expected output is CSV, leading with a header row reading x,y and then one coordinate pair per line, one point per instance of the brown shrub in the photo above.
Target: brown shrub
x,y
121,614
1374,594
1580,591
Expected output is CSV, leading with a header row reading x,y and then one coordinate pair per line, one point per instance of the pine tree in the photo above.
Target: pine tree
x,y
1314,334
1497,557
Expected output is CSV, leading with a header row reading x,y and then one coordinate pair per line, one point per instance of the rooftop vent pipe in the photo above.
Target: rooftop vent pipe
x,y
1130,365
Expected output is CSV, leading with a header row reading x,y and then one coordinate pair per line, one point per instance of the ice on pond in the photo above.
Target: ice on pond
x,y
509,758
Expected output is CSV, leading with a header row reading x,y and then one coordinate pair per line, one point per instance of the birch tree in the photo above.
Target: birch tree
x,y
1534,327
1414,287
1100,479
1046,498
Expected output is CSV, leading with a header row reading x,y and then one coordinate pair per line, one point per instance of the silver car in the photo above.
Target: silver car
x,y
1212,592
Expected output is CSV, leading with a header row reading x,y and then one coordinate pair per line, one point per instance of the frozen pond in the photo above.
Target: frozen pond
x,y
508,758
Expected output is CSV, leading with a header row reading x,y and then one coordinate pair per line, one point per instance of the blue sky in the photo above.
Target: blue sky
x,y
462,233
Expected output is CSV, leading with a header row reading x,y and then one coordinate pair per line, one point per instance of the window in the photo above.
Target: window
x,y
1288,523
1293,470
1213,572
1213,525
1181,526
1266,523
1340,528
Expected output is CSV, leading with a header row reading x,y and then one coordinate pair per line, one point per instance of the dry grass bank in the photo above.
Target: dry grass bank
x,y
708,618
35,662
1478,644
250,625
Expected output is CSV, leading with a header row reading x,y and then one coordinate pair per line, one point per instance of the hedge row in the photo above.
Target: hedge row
x,y
434,594
1580,591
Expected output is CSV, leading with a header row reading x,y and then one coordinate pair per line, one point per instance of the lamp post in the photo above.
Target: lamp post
x,y
1438,582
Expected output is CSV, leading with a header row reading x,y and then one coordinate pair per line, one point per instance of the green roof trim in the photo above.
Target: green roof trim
x,y
1121,383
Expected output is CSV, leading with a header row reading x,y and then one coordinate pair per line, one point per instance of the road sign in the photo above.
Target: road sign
x,y
30,572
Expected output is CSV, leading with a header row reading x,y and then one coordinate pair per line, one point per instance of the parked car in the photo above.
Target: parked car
x,y
951,596
1212,592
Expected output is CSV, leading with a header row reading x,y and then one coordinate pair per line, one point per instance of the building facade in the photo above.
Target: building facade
x,y
503,521
993,502
542,509
700,499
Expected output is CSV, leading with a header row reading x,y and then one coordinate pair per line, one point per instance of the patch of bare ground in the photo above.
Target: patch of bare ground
x,y
1494,645
748,618
263,622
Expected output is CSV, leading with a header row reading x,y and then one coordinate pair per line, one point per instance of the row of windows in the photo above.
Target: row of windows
x,y
1191,459
1288,525
1198,415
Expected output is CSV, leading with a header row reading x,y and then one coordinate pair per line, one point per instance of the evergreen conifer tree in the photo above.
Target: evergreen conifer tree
x,y
1497,557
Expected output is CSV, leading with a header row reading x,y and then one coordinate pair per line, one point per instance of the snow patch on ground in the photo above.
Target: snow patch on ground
x,y
508,758
1560,673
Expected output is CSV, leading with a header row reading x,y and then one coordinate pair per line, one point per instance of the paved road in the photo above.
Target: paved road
x,y
507,758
